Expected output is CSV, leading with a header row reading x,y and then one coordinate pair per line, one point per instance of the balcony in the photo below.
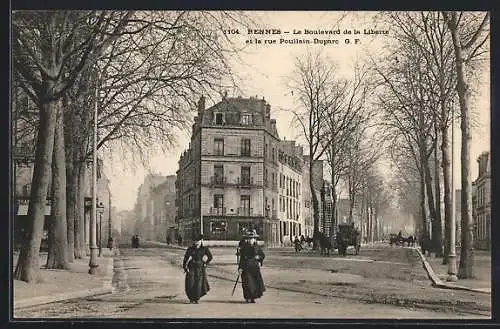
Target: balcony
x,y
218,211
245,211
244,181
218,181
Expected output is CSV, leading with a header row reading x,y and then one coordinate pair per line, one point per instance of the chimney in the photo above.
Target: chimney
x,y
268,111
201,104
273,125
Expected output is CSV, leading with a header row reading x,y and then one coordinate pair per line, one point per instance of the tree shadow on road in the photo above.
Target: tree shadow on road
x,y
225,301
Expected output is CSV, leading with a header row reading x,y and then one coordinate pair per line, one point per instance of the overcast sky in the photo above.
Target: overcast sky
x,y
263,71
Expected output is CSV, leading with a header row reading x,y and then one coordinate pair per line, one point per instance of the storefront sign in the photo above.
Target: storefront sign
x,y
217,226
23,205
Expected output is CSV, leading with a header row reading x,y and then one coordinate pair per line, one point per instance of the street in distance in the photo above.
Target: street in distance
x,y
303,31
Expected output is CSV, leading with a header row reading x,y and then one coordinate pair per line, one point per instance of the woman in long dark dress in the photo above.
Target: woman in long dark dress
x,y
195,261
251,259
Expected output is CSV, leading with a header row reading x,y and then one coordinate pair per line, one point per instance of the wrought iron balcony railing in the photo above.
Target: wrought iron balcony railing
x,y
221,211
244,181
245,211
218,180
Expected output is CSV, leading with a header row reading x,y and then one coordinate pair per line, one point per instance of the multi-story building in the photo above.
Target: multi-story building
x,y
482,203
163,197
237,174
144,207
291,220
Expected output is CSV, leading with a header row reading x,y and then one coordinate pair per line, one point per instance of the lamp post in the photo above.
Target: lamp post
x,y
92,239
452,257
110,237
100,209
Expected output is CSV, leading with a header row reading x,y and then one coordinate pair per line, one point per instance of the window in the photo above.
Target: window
x,y
245,175
218,201
219,174
274,156
219,118
245,147
265,177
219,146
246,119
245,201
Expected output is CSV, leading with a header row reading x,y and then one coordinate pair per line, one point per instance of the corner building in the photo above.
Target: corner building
x,y
232,176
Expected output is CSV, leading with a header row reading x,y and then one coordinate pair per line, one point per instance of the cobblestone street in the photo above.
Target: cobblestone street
x,y
151,286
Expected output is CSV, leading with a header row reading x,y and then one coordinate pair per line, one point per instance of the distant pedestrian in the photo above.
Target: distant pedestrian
x,y
196,259
251,259
179,240
168,240
297,244
135,241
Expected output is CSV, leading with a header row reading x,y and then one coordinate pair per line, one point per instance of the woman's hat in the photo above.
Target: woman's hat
x,y
252,234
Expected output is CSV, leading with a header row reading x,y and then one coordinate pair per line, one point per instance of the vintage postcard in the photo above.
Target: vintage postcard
x,y
250,165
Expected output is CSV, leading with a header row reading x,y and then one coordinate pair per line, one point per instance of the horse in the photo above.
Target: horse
x,y
394,240
410,241
325,244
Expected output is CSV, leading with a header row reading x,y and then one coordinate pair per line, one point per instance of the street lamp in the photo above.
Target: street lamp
x,y
100,209
110,237
452,257
92,241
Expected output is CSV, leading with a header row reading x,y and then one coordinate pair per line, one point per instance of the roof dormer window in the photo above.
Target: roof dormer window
x,y
246,119
219,118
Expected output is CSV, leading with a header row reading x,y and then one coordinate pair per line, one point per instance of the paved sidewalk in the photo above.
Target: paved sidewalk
x,y
58,285
438,273
482,272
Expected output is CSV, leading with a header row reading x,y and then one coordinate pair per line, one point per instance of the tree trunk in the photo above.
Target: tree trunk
x,y
445,150
28,264
371,222
465,269
57,253
70,205
437,188
423,213
79,214
432,212
315,207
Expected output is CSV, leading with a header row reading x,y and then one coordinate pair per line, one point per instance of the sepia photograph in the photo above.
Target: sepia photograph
x,y
209,164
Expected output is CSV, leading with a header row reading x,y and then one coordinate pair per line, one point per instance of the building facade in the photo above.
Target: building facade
x,y
482,203
237,174
144,210
163,197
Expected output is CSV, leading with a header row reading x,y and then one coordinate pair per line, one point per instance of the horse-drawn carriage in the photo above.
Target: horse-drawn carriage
x,y
399,240
347,235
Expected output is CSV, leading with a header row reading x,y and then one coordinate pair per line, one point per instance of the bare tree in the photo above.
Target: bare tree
x,y
427,31
57,236
50,49
319,92
344,120
470,33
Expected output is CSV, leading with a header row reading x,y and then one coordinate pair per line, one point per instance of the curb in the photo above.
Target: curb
x,y
42,300
437,282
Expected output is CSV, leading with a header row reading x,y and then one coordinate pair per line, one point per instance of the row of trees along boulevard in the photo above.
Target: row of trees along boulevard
x,y
142,70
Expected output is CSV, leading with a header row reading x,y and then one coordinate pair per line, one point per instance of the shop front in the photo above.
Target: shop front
x,y
21,222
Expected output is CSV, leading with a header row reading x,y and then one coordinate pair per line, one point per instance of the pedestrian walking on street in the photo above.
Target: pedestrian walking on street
x,y
196,259
251,259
